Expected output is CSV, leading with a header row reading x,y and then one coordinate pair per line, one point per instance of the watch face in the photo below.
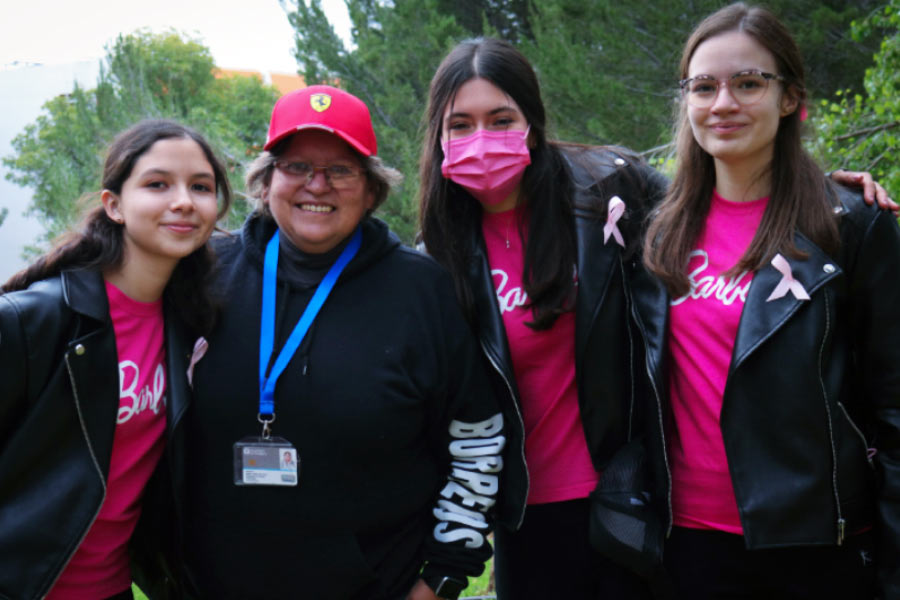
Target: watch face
x,y
449,588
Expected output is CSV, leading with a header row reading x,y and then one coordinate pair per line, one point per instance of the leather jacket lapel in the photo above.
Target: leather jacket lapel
x,y
596,264
651,303
93,376
761,318
491,331
178,354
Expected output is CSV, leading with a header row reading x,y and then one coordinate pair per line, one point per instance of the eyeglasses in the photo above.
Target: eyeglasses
x,y
746,87
338,176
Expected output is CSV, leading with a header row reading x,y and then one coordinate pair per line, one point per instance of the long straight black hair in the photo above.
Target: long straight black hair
x,y
97,243
449,214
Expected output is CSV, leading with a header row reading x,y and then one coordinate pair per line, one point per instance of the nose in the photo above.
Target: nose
x,y
182,199
724,99
318,183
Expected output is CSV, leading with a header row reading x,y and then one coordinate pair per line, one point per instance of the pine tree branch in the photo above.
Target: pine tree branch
x,y
867,131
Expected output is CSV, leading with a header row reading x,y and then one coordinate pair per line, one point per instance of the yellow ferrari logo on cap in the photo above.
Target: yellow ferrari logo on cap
x,y
320,102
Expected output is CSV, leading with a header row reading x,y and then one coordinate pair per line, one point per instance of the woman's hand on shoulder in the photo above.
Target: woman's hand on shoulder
x,y
872,190
421,591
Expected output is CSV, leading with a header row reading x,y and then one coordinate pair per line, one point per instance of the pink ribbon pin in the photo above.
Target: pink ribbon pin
x,y
787,281
200,348
615,210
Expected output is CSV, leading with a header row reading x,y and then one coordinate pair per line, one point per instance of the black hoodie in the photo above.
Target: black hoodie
x,y
386,385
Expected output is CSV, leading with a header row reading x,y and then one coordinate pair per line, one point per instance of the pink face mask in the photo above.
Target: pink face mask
x,y
488,164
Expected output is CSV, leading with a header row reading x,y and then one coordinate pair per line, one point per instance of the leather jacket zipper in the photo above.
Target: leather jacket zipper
x,y
662,433
512,395
96,465
858,432
841,523
628,311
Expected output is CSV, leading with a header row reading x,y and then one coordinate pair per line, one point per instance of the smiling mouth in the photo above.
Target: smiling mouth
x,y
726,127
181,227
317,208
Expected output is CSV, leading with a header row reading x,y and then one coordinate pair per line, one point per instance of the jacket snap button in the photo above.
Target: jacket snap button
x,y
619,162
79,350
829,268
838,210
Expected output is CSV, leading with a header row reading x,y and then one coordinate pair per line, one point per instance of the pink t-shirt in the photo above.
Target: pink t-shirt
x,y
703,328
544,365
99,568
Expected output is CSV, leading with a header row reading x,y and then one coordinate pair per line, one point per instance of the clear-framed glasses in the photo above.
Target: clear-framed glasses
x,y
746,87
338,176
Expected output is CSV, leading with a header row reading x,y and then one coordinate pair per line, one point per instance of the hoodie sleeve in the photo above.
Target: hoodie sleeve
x,y
470,432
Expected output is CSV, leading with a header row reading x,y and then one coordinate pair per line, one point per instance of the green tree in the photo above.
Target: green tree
x,y
144,75
608,69
861,131
397,48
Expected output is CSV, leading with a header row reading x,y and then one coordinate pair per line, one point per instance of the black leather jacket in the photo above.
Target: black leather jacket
x,y
606,345
811,387
59,398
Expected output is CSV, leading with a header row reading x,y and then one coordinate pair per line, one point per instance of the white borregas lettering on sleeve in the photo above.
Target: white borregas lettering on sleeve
x,y
473,483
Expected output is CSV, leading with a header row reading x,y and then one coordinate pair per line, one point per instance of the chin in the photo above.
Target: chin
x,y
725,152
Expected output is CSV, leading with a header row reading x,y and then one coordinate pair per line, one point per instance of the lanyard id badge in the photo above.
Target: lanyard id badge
x,y
267,460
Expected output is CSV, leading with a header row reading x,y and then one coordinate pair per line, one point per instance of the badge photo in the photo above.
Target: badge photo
x,y
265,461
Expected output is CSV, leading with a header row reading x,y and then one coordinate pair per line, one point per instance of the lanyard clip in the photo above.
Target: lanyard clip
x,y
266,430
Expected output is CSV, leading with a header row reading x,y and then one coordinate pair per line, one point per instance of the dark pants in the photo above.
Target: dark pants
x,y
710,565
550,558
126,595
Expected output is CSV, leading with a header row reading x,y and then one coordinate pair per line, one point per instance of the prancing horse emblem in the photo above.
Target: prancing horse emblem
x,y
320,102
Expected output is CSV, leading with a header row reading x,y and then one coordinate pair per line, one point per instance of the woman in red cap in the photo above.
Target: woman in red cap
x,y
368,376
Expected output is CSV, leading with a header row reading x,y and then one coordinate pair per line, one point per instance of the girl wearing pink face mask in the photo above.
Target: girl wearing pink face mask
x,y
540,239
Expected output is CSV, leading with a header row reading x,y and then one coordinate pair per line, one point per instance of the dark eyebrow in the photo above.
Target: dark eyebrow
x,y
151,172
491,113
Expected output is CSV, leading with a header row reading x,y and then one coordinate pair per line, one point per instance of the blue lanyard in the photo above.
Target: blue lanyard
x,y
267,325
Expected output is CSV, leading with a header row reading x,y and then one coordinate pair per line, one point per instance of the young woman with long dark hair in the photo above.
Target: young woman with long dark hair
x,y
519,222
772,340
94,345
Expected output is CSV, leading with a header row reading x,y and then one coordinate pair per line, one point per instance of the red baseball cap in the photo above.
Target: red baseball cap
x,y
327,108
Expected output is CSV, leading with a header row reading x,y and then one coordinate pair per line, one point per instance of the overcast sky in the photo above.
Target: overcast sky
x,y
47,45
242,34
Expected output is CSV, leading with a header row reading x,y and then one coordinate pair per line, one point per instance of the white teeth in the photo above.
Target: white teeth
x,y
316,208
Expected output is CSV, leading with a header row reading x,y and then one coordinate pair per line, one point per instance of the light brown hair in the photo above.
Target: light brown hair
x,y
798,198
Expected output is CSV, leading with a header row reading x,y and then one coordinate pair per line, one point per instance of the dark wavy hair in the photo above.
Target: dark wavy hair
x,y
798,199
97,243
449,214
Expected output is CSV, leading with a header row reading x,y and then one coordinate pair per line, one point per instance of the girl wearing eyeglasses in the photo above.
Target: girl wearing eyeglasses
x,y
772,343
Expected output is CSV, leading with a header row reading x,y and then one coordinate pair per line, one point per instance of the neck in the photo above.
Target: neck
x,y
739,183
141,282
508,203
302,268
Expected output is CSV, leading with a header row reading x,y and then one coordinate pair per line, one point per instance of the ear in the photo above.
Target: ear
x,y
790,100
112,204
369,199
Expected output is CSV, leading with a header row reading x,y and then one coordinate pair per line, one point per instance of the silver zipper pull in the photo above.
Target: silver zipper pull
x,y
842,530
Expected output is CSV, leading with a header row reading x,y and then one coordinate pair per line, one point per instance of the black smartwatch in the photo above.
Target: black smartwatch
x,y
447,588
